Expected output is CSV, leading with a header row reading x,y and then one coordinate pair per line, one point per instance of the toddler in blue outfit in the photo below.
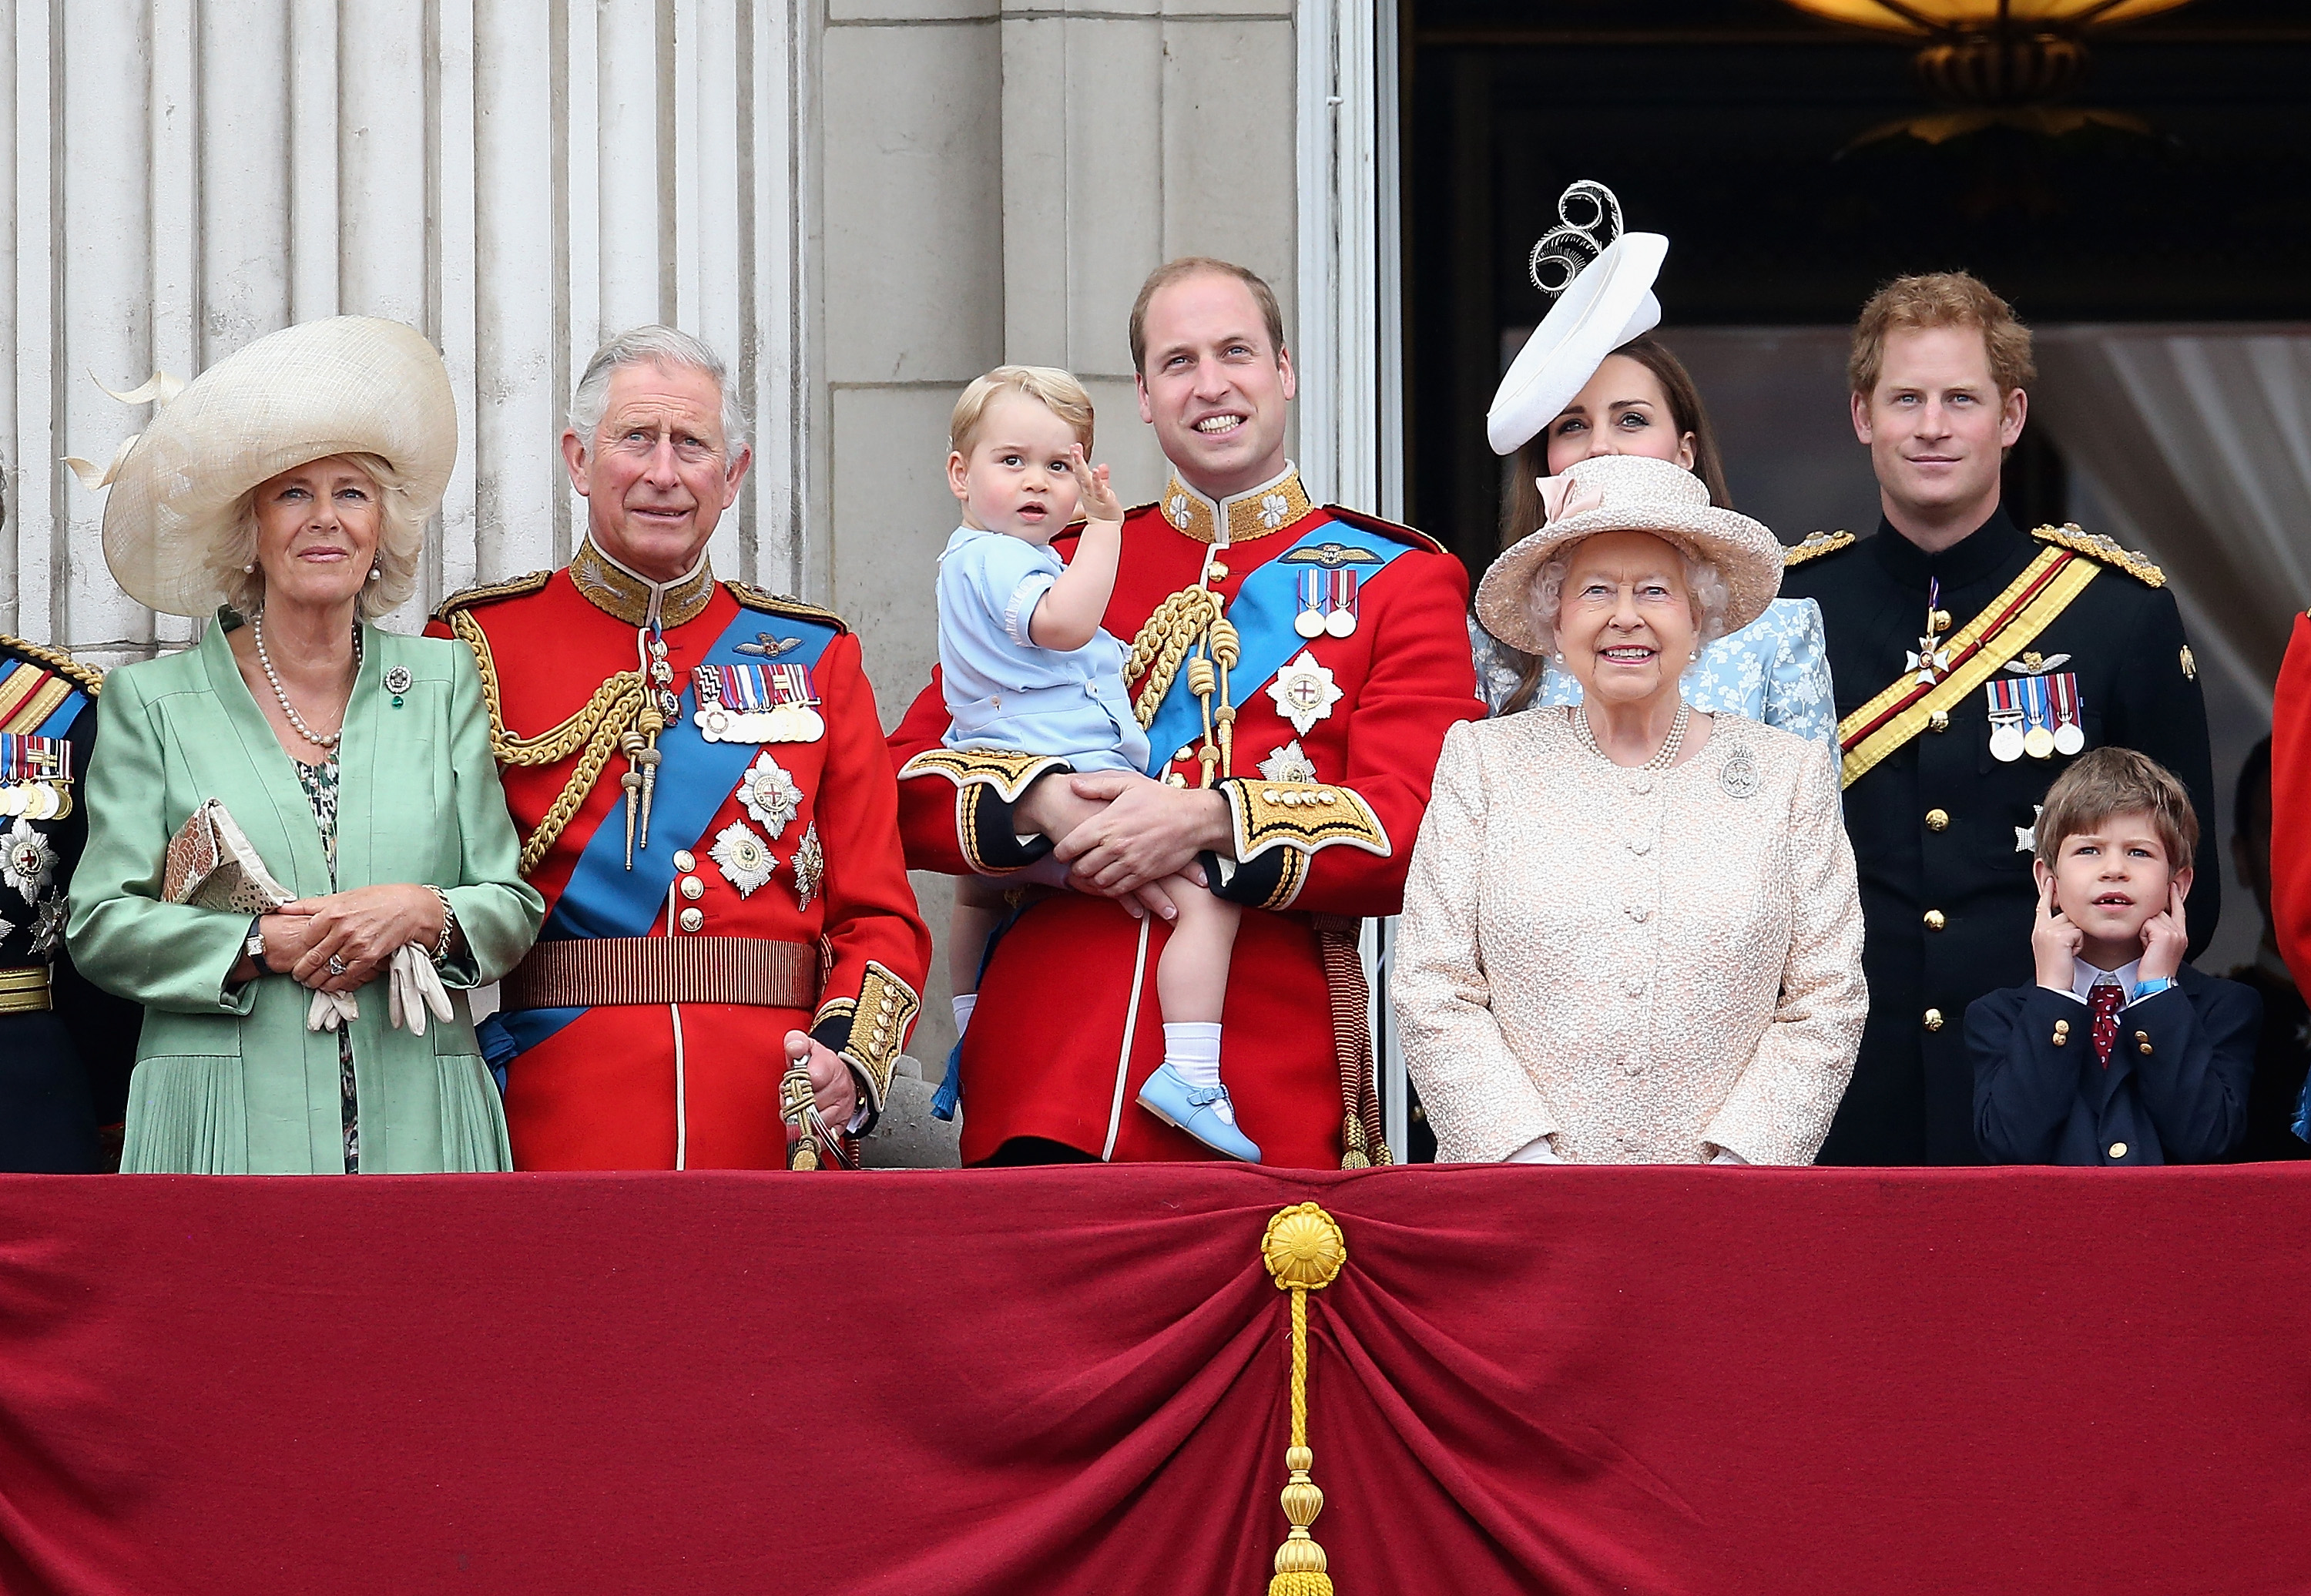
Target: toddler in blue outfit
x,y
1027,667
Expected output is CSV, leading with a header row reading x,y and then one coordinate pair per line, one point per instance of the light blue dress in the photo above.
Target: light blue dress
x,y
1775,670
1002,690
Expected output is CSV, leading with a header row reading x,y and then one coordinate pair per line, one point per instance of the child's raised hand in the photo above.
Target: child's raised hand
x,y
2054,941
1098,501
2166,939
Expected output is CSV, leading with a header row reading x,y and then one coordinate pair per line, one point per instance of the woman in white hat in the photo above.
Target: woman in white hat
x,y
292,483
1631,929
1593,380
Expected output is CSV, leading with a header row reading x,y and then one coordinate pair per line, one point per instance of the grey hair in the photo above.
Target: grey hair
x,y
400,546
1705,588
656,345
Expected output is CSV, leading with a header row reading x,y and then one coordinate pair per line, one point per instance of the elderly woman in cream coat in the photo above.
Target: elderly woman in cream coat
x,y
292,481
1632,933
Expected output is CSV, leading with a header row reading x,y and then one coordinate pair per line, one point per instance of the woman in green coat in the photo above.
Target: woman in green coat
x,y
294,481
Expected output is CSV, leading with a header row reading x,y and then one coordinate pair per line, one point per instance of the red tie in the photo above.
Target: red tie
x,y
2106,998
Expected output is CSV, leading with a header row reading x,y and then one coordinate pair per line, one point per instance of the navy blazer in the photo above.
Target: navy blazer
x,y
2175,1092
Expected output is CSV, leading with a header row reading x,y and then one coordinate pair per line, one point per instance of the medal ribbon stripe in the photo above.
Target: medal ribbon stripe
x,y
602,897
1907,690
1977,651
1262,614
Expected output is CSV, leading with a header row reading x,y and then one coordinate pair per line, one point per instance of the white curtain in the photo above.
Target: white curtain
x,y
2197,443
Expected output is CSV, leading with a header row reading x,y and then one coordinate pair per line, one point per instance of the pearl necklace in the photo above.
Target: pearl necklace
x,y
280,693
1660,761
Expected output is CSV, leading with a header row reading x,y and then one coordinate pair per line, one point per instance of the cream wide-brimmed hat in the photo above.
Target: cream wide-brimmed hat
x,y
348,385
1630,494
1602,280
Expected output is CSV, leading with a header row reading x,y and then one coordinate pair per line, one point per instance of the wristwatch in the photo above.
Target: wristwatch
x,y
255,945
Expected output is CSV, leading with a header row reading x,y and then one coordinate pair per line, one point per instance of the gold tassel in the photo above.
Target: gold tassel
x,y
795,1097
1304,1251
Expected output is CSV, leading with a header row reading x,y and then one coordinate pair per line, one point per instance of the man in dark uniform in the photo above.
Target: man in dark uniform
x,y
2284,1057
65,1049
1972,661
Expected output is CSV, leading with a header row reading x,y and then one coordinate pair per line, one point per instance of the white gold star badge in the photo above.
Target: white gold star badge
x,y
770,794
2026,837
1930,663
742,858
809,865
1305,692
49,925
27,862
1289,764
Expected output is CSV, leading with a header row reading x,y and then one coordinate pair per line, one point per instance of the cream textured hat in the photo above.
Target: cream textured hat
x,y
1630,494
348,385
1602,280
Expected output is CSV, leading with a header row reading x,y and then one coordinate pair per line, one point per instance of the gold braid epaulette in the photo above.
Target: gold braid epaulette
x,y
85,676
1817,545
2103,551
784,604
513,587
1165,641
615,705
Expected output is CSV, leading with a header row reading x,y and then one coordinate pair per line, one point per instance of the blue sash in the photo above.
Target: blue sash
x,y
1262,614
60,720
605,899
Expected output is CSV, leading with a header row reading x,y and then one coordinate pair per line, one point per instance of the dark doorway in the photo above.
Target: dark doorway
x,y
1738,128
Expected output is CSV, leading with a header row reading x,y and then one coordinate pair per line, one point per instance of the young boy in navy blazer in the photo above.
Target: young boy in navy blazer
x,y
2121,1053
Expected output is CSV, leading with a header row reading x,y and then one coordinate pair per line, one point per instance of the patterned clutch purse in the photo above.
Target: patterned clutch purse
x,y
211,865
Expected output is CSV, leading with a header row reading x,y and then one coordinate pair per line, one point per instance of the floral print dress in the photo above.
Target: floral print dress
x,y
320,784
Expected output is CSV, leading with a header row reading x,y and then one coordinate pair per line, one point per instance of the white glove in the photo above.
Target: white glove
x,y
1728,1156
417,987
1538,1150
330,1010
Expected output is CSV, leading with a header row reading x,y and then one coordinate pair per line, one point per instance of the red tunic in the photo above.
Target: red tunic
x,y
601,1092
1045,1056
2290,804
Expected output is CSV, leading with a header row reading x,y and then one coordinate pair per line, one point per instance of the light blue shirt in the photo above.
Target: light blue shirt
x,y
1775,670
1002,690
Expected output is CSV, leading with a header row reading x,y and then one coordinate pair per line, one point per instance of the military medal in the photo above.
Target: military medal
x,y
1310,622
809,865
743,859
1929,661
35,777
794,715
1305,692
1342,620
27,862
770,794
2069,735
2005,720
2038,709
713,718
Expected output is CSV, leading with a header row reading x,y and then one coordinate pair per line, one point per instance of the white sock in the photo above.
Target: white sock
x,y
965,1002
1193,1050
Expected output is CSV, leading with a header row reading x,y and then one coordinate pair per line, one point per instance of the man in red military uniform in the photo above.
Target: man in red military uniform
x,y
1296,669
2290,806
697,772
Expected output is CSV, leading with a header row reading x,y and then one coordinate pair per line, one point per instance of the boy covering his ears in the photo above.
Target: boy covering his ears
x,y
2119,1052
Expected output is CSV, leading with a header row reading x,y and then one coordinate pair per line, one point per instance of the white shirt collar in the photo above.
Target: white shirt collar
x,y
2083,977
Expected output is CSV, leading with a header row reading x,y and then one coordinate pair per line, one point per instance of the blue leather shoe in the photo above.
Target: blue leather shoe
x,y
1198,1112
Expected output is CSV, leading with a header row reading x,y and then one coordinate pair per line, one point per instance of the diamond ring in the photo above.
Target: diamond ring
x,y
336,965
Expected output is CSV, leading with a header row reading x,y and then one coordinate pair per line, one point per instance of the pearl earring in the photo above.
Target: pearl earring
x,y
249,569
376,573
